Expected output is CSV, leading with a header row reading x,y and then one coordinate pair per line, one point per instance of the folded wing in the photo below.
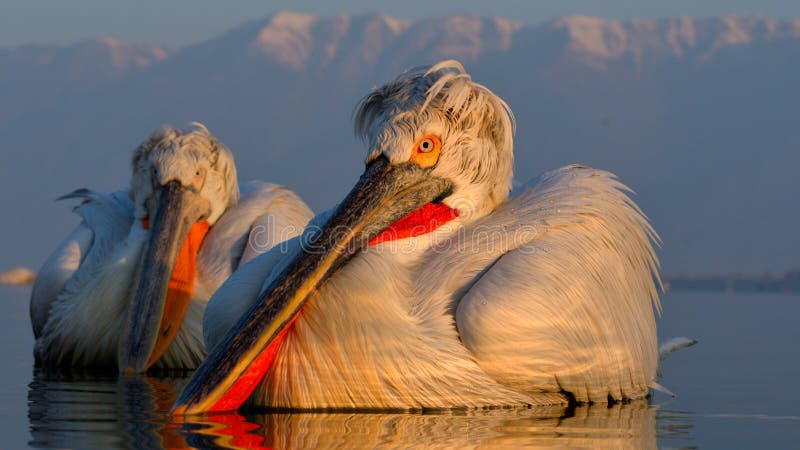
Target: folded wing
x,y
559,288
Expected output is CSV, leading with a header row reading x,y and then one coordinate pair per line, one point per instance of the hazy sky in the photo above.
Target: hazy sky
x,y
179,22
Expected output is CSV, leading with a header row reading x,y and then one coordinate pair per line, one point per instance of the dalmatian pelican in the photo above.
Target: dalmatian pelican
x,y
431,285
127,288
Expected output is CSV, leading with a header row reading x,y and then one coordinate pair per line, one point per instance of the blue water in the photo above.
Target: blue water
x,y
736,389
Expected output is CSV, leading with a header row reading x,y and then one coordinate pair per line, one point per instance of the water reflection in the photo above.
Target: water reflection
x,y
621,426
90,411
77,410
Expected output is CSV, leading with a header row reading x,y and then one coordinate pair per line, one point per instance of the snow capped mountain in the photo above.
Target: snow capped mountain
x,y
595,40
698,115
353,45
35,76
302,42
97,59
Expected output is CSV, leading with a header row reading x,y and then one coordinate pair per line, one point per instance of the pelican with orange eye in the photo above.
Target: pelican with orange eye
x,y
426,151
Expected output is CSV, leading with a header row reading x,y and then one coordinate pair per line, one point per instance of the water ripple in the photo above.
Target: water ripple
x,y
90,411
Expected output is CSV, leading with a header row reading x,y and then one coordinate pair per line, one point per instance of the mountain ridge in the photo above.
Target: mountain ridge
x,y
291,39
697,115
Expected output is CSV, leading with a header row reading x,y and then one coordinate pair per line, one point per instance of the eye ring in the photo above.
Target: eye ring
x,y
426,150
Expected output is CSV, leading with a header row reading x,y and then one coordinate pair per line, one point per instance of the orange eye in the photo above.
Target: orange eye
x,y
426,151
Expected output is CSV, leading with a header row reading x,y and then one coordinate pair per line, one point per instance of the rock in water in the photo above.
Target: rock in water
x,y
18,275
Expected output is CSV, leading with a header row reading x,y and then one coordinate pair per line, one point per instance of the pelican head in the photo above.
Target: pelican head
x,y
454,129
183,180
434,137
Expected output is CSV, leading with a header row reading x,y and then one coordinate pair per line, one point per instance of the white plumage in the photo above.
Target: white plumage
x,y
532,299
80,301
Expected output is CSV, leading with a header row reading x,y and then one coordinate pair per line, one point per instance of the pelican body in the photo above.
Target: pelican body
x,y
431,285
128,287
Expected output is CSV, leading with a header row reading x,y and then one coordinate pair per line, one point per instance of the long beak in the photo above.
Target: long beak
x,y
384,194
148,335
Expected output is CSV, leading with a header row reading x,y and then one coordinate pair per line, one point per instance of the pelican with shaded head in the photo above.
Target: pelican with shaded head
x,y
431,285
129,285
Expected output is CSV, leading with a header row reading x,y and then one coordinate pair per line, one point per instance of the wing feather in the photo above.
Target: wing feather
x,y
265,215
252,237
555,290
106,220
103,278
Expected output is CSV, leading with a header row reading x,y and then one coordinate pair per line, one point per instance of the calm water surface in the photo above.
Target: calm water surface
x,y
736,389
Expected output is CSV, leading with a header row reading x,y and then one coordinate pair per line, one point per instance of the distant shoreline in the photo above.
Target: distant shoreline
x,y
735,283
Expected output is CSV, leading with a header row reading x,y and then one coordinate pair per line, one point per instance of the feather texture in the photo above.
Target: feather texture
x,y
88,279
673,345
567,302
